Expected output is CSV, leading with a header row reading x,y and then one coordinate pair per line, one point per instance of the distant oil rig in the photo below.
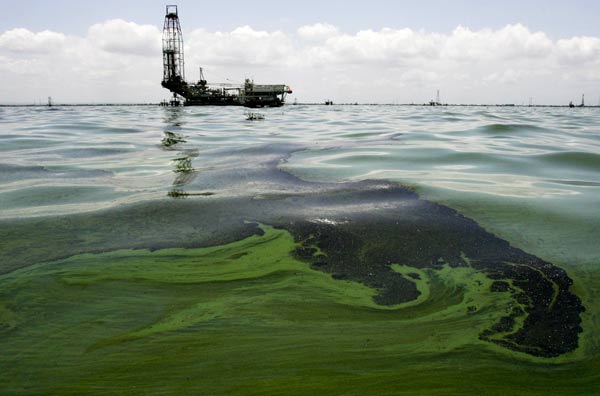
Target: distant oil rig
x,y
582,102
202,93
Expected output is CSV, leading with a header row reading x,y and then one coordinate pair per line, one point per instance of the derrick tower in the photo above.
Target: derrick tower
x,y
172,43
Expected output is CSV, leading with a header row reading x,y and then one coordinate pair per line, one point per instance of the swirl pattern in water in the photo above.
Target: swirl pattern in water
x,y
176,246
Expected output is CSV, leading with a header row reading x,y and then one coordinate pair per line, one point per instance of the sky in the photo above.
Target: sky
x,y
376,51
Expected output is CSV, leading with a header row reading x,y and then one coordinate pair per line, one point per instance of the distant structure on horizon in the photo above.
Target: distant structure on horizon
x,y
202,93
437,101
582,102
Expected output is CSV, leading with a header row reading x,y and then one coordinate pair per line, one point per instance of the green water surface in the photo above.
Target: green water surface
x,y
160,299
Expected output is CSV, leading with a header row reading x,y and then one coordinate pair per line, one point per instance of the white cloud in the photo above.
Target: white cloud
x,y
318,31
128,38
386,46
24,41
242,46
319,61
506,77
579,49
419,77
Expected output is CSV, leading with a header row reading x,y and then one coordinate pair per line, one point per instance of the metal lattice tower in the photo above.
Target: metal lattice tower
x,y
172,42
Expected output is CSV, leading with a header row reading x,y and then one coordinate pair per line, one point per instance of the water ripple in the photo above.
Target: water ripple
x,y
148,151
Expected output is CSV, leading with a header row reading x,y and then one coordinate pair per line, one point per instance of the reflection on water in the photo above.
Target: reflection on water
x,y
183,167
171,139
177,193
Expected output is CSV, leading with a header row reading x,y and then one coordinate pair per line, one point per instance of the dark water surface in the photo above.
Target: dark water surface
x,y
322,250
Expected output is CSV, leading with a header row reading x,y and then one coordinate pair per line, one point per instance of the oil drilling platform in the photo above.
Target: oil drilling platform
x,y
202,93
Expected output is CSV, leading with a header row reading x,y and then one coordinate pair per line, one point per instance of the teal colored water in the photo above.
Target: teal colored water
x,y
530,176
73,159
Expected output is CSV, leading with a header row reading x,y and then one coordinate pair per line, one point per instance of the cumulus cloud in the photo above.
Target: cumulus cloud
x,y
509,76
510,42
319,60
24,41
123,37
399,46
579,50
241,46
99,67
318,31
387,46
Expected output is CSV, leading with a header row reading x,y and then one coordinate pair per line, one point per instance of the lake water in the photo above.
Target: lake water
x,y
321,250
